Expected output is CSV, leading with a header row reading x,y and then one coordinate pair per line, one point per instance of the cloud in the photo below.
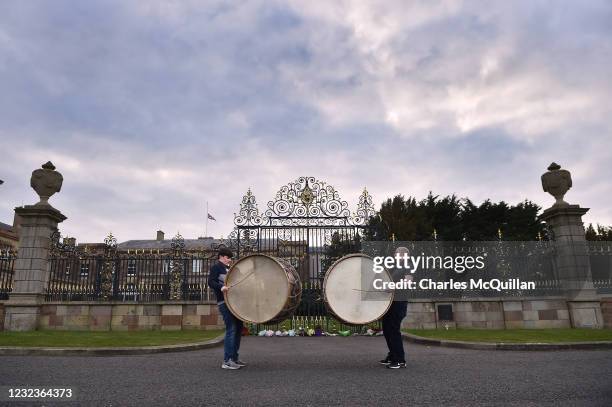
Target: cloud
x,y
150,109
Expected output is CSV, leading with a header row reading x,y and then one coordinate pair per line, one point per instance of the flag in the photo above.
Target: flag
x,y
211,217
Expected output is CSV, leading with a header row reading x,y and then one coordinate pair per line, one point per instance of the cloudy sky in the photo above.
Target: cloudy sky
x,y
151,108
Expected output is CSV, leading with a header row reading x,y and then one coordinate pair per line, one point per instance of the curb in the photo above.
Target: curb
x,y
504,345
143,350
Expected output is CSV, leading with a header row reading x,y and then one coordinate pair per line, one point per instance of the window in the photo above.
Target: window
x,y
167,266
84,270
196,266
131,268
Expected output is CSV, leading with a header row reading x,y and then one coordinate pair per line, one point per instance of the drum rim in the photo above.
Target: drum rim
x,y
229,306
334,264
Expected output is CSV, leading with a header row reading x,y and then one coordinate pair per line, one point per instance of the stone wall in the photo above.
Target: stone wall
x,y
420,315
482,314
129,317
466,314
536,314
606,312
502,314
544,313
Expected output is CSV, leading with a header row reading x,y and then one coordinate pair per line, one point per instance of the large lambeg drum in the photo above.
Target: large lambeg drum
x,y
349,292
262,289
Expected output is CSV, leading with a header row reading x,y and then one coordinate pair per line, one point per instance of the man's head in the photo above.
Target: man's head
x,y
225,255
401,251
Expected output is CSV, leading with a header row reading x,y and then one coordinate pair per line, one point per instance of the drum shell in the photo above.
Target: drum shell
x,y
294,292
330,309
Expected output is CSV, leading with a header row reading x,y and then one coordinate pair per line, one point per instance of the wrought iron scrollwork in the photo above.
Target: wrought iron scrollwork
x,y
55,247
302,203
108,267
365,209
249,213
110,246
245,238
176,267
63,247
229,243
178,245
306,198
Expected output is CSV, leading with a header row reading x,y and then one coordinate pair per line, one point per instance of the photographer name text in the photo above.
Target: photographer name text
x,y
473,284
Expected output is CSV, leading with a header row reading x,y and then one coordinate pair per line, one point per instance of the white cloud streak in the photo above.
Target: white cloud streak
x,y
150,109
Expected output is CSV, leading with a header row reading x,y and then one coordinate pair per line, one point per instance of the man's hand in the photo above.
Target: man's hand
x,y
224,288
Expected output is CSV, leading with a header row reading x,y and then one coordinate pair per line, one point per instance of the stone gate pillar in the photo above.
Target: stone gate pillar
x,y
31,275
573,265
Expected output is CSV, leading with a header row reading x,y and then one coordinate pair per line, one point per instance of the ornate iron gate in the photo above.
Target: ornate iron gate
x,y
308,225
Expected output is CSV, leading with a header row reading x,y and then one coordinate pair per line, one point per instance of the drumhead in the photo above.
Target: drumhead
x,y
345,295
258,288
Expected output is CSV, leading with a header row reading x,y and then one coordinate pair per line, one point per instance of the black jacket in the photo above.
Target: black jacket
x,y
216,280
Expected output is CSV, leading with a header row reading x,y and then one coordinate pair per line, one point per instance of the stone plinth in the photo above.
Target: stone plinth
x,y
572,257
586,314
22,309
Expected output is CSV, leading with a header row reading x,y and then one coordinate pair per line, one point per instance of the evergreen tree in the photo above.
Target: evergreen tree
x,y
400,219
455,219
602,233
341,244
445,216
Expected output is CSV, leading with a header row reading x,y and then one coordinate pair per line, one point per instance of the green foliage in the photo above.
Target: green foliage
x,y
402,219
455,219
517,335
53,338
341,244
601,233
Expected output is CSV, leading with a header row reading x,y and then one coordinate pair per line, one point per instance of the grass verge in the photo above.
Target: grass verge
x,y
517,335
53,338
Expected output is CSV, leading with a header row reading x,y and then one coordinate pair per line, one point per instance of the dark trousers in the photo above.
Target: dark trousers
x,y
233,333
391,323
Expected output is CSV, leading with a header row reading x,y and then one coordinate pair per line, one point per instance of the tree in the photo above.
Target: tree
x,y
341,244
523,223
455,219
602,233
400,219
444,215
483,222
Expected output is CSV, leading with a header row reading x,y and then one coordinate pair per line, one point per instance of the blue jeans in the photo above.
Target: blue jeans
x,y
391,323
233,333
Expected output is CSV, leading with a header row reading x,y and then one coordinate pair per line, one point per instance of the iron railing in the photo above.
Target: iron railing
x,y
532,262
175,275
7,264
142,278
600,254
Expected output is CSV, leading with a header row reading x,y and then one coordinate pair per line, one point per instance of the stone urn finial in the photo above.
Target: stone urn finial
x,y
557,182
46,181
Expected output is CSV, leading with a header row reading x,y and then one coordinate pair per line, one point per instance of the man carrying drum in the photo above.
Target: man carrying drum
x,y
392,321
233,325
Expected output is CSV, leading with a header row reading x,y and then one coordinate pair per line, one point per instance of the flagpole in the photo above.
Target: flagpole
x,y
206,230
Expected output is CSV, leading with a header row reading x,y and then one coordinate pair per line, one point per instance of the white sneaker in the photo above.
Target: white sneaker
x,y
240,363
230,364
